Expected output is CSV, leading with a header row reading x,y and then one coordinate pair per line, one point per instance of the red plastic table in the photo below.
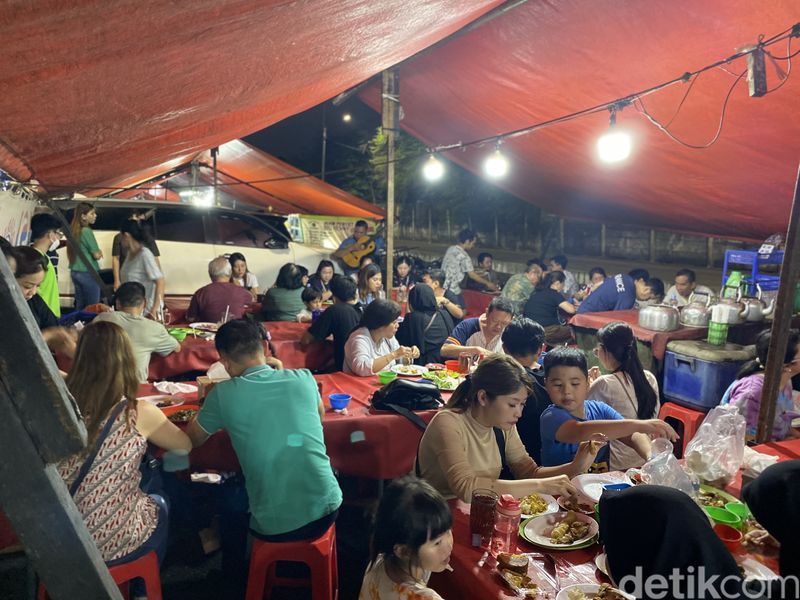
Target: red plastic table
x,y
785,450
476,302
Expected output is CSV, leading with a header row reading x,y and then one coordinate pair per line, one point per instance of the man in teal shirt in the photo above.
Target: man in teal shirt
x,y
274,421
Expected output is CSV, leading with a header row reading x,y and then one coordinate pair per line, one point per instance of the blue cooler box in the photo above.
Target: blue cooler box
x,y
696,374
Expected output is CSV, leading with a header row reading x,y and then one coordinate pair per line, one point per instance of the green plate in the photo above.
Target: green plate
x,y
590,542
724,494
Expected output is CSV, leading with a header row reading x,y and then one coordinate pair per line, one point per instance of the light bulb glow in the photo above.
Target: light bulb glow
x,y
433,170
347,117
496,165
614,146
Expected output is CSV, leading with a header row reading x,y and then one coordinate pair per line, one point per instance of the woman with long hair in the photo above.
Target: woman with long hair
x,y
321,280
284,301
628,388
141,266
370,283
544,305
474,443
87,290
404,275
241,275
426,326
104,479
372,346
745,392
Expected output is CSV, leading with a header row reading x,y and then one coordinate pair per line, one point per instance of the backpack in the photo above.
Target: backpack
x,y
404,397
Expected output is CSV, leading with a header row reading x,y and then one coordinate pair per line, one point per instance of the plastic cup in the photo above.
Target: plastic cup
x,y
481,516
385,377
661,446
730,536
723,517
339,401
739,509
451,365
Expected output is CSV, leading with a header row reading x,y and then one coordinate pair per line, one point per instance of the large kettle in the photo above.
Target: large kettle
x,y
697,313
729,310
755,309
659,317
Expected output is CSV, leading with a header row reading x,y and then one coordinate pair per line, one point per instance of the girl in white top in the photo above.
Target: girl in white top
x,y
628,388
241,276
412,538
372,346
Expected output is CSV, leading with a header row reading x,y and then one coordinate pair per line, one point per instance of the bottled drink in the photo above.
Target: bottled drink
x,y
506,525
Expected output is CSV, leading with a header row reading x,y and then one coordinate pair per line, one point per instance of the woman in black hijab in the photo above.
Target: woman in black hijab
x,y
427,327
774,500
660,531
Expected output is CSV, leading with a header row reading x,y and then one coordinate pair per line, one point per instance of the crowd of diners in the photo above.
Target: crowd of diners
x,y
513,425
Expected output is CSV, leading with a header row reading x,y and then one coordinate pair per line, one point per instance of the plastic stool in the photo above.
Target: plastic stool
x,y
318,554
689,419
145,567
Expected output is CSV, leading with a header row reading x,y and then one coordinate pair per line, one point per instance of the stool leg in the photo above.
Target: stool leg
x,y
257,577
152,578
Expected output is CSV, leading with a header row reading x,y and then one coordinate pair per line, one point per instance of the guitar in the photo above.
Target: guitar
x,y
367,243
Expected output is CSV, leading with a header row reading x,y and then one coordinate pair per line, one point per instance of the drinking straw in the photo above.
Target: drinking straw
x,y
227,310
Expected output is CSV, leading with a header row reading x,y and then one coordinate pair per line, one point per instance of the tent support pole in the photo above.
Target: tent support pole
x,y
790,271
390,122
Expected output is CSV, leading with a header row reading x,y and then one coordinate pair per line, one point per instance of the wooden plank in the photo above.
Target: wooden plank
x,y
390,123
45,518
38,393
784,307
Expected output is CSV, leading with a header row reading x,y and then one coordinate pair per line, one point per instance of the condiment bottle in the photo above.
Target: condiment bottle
x,y
506,525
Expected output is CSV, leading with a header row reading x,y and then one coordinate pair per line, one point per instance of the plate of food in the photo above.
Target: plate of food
x,y
162,400
592,591
444,380
709,496
201,326
534,505
559,531
577,503
183,416
513,569
591,484
435,367
409,370
635,476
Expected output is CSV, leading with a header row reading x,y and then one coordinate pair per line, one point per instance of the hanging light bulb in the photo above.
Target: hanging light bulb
x,y
614,145
433,169
496,165
347,117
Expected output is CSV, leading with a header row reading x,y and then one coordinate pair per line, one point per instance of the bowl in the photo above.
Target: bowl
x,y
339,401
616,487
722,516
739,509
385,377
730,536
451,365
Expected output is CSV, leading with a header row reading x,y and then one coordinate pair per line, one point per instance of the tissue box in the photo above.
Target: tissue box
x,y
204,386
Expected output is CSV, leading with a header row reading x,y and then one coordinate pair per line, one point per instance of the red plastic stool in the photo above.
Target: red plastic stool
x,y
145,567
318,554
689,418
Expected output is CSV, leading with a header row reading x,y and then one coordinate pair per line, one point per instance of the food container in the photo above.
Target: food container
x,y
451,365
723,517
659,317
696,374
732,538
739,509
385,377
339,401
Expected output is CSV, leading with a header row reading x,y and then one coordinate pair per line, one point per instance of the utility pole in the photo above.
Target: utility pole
x,y
390,122
324,141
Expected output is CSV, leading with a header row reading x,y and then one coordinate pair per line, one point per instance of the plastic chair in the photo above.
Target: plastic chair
x,y
319,554
145,567
688,421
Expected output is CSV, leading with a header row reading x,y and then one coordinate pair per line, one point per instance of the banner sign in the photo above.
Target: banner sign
x,y
323,231
16,209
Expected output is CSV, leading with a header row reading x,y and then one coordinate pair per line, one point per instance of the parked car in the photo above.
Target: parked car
x,y
189,237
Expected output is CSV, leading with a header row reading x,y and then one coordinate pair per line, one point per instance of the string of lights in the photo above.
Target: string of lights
x,y
613,146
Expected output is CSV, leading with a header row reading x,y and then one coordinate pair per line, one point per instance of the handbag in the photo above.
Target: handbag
x,y
404,397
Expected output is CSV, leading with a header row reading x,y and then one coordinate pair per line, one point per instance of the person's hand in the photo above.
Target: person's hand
x,y
656,428
61,339
100,252
594,374
760,537
441,300
414,352
403,352
273,362
556,486
492,287
587,452
117,283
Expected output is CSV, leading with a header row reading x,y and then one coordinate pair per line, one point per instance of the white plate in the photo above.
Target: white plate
x,y
591,484
586,588
154,400
552,507
537,530
418,370
601,562
212,327
581,500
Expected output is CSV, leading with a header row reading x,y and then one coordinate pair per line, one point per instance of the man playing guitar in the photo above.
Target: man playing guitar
x,y
357,245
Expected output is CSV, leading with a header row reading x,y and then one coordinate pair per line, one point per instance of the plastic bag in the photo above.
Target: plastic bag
x,y
716,452
664,469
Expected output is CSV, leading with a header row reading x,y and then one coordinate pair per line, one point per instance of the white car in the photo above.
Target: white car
x,y
189,237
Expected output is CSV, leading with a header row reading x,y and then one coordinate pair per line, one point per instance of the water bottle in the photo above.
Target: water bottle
x,y
506,525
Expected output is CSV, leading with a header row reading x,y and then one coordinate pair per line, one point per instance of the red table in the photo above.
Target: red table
x,y
476,302
785,450
362,443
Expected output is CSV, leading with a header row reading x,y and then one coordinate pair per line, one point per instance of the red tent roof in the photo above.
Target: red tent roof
x,y
95,91
547,59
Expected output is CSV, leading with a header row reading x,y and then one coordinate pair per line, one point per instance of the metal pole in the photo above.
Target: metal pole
x,y
603,239
561,235
324,142
652,245
790,271
214,154
710,253
390,122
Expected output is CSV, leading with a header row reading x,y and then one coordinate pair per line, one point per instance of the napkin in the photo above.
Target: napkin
x,y
755,462
217,371
173,387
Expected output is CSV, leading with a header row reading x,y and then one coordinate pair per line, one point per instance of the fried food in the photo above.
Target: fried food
x,y
572,503
533,504
712,499
606,592
182,416
521,584
569,530
513,562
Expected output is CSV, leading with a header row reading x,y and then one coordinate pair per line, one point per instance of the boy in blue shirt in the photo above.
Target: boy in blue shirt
x,y
573,419
621,292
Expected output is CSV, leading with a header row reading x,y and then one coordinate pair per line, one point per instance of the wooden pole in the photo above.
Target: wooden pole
x,y
391,122
603,239
710,253
652,245
790,271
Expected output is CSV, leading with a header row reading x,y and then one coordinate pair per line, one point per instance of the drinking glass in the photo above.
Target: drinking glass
x,y
481,516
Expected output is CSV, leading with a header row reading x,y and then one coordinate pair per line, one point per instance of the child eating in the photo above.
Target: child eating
x,y
573,419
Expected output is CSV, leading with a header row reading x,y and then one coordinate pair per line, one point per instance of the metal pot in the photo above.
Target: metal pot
x,y
659,317
728,310
755,309
696,313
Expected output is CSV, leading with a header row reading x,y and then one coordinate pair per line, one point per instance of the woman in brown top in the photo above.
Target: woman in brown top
x,y
460,452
